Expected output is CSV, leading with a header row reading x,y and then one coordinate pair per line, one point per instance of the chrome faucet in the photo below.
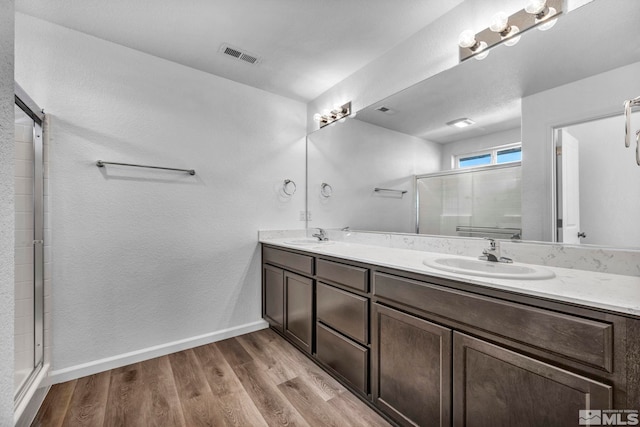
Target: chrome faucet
x,y
492,253
321,235
489,254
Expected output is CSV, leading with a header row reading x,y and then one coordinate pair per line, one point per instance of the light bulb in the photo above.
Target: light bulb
x,y
317,117
467,39
499,22
547,21
512,39
534,7
480,56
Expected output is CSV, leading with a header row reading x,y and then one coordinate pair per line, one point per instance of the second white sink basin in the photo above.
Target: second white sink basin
x,y
308,242
497,270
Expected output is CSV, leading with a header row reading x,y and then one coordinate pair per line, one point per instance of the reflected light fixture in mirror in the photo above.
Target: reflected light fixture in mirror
x,y
542,13
338,113
500,25
461,123
467,40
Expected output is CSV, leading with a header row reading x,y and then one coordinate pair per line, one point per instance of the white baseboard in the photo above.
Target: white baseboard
x,y
90,368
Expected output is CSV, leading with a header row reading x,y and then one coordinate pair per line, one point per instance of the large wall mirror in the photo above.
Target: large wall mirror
x,y
400,166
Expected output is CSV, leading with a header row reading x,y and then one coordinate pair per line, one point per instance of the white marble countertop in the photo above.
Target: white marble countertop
x,y
612,292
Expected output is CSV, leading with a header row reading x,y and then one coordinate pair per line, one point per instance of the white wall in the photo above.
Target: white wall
x,y
609,177
586,99
144,258
7,218
471,145
354,157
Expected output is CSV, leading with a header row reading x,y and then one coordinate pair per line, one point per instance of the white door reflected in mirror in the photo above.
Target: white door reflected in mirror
x,y
598,201
569,170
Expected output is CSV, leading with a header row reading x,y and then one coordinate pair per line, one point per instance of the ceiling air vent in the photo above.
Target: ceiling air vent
x,y
239,54
386,110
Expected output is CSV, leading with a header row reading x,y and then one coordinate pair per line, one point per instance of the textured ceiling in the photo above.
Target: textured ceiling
x,y
490,91
306,46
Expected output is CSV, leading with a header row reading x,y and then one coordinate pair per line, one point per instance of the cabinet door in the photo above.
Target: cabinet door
x,y
299,309
273,296
493,386
411,368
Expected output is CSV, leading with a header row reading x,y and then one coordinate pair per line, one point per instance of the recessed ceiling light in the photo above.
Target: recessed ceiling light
x,y
461,123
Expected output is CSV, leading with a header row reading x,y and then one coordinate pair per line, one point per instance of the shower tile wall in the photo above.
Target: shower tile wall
x,y
24,295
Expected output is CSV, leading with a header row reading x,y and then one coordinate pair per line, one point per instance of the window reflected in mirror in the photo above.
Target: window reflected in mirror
x,y
491,156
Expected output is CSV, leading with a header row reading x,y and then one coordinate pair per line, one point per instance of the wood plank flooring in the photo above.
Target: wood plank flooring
x,y
257,379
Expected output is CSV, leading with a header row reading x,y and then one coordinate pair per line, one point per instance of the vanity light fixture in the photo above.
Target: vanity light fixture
x,y
338,113
467,40
500,25
543,13
461,123
507,29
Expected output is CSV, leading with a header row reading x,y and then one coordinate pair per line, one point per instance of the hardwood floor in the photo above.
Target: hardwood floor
x,y
257,379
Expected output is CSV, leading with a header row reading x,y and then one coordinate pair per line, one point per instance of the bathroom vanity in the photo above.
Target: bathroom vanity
x,y
429,348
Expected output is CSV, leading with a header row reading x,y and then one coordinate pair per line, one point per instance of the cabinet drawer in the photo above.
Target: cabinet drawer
x,y
344,356
347,275
293,261
584,340
344,311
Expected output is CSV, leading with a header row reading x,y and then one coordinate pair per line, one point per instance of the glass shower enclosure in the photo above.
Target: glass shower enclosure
x,y
484,201
29,244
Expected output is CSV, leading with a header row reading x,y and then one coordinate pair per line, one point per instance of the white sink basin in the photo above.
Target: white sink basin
x,y
497,270
308,242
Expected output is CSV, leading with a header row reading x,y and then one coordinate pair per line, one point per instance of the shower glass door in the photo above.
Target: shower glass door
x,y
29,262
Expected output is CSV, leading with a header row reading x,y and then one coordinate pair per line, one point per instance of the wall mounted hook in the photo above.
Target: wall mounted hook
x,y
289,187
326,190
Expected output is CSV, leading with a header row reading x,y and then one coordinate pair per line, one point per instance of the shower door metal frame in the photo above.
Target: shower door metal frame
x,y
26,104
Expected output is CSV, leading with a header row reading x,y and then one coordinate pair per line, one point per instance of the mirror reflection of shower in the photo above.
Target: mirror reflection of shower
x,y
475,202
598,191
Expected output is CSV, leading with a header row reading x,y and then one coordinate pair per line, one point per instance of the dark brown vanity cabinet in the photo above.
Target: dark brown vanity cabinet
x,y
411,368
493,386
298,310
429,351
445,356
346,358
426,374
287,297
273,296
342,328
